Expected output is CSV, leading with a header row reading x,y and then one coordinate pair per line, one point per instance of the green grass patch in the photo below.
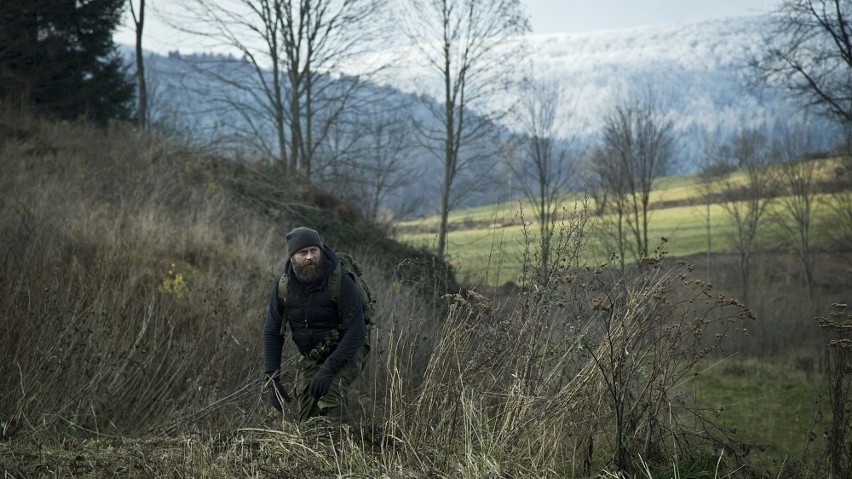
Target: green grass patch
x,y
771,402
492,253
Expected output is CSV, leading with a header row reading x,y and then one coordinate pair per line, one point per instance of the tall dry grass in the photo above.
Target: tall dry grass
x,y
135,279
584,371
133,287
135,276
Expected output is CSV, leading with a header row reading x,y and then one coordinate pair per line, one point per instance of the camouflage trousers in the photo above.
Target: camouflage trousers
x,y
335,401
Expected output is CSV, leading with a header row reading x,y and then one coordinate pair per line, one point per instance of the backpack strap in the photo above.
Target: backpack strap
x,y
334,280
282,295
282,288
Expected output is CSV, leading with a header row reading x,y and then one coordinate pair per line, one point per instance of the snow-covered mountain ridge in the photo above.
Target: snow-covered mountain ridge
x,y
698,70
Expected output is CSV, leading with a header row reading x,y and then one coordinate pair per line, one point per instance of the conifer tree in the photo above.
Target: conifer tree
x,y
58,58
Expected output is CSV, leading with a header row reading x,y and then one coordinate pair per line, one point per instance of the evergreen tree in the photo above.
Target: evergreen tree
x,y
58,57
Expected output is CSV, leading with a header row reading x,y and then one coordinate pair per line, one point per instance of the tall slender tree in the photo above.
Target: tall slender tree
x,y
798,175
546,163
467,46
141,83
746,203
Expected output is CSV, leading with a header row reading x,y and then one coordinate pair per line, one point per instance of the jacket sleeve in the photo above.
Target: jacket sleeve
x,y
273,340
352,319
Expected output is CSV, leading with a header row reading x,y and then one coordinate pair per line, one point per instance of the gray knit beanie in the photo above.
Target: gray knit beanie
x,y
302,237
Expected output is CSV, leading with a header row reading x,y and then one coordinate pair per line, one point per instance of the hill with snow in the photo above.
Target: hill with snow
x,y
698,70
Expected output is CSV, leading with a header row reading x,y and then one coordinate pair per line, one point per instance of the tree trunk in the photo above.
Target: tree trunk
x,y
142,97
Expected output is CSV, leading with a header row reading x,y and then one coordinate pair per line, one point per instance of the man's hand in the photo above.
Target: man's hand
x,y
321,383
274,391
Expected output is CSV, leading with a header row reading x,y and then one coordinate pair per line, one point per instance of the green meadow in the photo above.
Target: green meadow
x,y
486,243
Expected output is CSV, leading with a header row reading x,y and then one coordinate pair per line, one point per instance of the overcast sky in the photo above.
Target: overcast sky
x,y
548,16
553,16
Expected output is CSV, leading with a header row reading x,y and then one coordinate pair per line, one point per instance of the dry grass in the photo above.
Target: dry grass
x,y
134,280
127,294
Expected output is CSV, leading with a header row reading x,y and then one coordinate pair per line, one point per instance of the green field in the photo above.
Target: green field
x,y
485,242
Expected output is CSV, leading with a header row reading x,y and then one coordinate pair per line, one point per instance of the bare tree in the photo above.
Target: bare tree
x,y
809,54
746,202
387,170
715,168
546,165
373,149
640,145
610,178
293,47
798,181
141,85
465,43
592,181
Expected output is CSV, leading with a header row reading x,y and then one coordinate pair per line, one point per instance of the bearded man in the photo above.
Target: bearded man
x,y
327,327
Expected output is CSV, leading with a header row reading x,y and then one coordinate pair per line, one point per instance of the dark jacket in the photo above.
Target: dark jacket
x,y
312,315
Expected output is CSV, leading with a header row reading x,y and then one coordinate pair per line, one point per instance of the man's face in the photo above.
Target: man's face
x,y
307,264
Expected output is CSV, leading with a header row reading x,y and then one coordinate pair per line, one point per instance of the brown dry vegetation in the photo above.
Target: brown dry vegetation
x,y
780,299
135,272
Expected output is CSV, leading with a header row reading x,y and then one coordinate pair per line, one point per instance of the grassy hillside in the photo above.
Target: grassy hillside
x,y
135,274
135,278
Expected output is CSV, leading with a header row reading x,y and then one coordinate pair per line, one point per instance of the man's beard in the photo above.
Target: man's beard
x,y
308,273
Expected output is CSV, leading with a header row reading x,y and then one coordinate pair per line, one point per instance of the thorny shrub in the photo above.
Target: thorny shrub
x,y
838,389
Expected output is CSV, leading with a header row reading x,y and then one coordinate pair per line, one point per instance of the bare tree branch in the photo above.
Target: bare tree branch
x,y
295,49
809,54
